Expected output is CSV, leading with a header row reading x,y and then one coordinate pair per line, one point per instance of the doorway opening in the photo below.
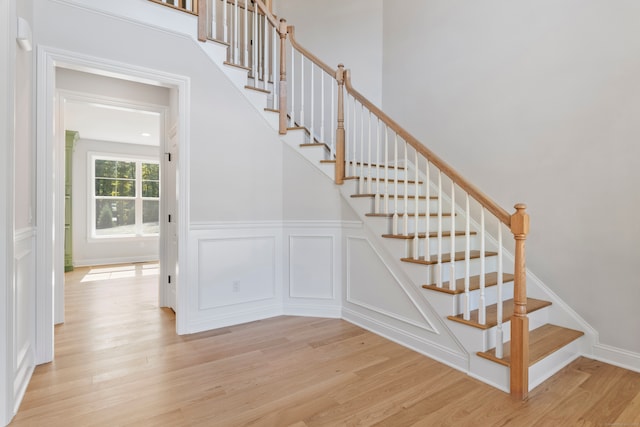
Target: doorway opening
x,y
144,200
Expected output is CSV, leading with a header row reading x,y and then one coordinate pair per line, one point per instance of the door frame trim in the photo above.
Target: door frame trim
x,y
49,249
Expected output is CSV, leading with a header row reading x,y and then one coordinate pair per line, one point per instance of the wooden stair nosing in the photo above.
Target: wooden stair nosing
x,y
316,144
272,110
390,215
382,195
543,341
492,313
423,235
257,89
409,181
375,165
459,256
490,279
242,67
220,42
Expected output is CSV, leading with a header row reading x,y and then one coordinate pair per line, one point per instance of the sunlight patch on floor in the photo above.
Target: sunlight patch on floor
x,y
121,272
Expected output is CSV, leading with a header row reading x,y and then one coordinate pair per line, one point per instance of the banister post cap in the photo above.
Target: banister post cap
x,y
520,221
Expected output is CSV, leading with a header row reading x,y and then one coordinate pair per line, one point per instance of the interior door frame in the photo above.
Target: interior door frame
x,y
49,241
63,95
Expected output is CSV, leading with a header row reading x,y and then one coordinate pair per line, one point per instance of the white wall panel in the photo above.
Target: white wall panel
x,y
311,267
372,285
24,310
236,270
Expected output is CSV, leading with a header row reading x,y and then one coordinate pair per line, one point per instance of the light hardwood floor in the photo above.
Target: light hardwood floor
x,y
118,362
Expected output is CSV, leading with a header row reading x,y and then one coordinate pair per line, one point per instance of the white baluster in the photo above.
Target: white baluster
x,y
273,77
376,199
214,21
292,111
499,331
302,118
361,157
452,264
370,158
405,217
439,232
254,46
347,128
354,144
467,262
427,249
274,71
332,131
236,45
245,47
395,185
416,239
265,56
322,106
312,134
386,169
225,21
482,309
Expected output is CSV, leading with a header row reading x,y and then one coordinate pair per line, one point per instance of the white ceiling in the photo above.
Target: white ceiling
x,y
112,123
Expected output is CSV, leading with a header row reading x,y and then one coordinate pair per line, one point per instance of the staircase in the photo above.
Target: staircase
x,y
446,235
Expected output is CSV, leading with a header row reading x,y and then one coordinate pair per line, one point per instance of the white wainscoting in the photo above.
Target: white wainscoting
x,y
313,267
246,271
236,271
24,311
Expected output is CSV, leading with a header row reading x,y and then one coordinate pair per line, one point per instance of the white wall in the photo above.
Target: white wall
x,y
536,102
337,31
91,251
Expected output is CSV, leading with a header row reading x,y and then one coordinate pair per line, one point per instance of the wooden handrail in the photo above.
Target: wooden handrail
x,y
310,56
471,189
272,19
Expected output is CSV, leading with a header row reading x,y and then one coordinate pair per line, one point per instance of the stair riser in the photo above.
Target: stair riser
x,y
354,188
426,274
375,173
385,224
406,247
476,339
432,206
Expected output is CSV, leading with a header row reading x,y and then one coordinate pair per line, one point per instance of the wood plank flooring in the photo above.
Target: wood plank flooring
x,y
119,363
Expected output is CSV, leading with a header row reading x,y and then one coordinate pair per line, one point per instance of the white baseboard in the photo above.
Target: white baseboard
x,y
616,356
111,261
307,310
432,350
234,319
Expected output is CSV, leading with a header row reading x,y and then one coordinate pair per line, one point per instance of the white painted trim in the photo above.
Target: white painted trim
x,y
616,356
48,59
313,310
430,349
8,30
237,318
230,225
431,327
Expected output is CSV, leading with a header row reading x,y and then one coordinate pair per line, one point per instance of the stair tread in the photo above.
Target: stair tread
x,y
492,313
271,110
220,42
373,178
316,144
237,66
490,279
390,215
423,235
543,341
459,256
375,165
382,195
257,89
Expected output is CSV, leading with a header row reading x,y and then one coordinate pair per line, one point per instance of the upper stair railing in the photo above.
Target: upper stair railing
x,y
189,6
389,164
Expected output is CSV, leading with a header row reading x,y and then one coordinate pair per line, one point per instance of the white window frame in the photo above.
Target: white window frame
x,y
91,195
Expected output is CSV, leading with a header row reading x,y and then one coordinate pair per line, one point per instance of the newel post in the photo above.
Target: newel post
x,y
520,321
282,102
340,134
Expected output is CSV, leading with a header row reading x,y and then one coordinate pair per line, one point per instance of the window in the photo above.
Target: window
x,y
126,197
